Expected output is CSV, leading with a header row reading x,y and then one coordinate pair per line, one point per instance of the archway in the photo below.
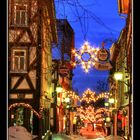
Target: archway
x,y
22,114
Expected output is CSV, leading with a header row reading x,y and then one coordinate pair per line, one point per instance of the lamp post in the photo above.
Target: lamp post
x,y
117,76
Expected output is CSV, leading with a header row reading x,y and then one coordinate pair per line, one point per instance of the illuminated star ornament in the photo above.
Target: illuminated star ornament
x,y
86,56
90,96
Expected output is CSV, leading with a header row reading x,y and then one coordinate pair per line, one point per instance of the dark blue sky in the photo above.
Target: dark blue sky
x,y
94,21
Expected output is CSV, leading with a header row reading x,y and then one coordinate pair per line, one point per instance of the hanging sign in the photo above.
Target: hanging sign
x,y
104,66
63,71
103,57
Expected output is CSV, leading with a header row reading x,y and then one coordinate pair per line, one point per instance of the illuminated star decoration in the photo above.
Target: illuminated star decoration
x,y
86,56
90,96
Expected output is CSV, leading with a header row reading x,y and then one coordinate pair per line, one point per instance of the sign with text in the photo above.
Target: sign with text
x,y
104,66
103,57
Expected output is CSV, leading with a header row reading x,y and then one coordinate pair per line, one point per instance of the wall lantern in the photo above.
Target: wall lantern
x,y
118,76
106,103
12,116
68,106
58,89
111,100
107,119
67,100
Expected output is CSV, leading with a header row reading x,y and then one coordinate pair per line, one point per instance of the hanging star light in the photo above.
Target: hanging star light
x,y
88,96
86,56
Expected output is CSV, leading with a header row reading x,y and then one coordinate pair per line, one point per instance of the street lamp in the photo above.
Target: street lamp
x,y
58,89
117,76
107,119
67,100
106,104
111,100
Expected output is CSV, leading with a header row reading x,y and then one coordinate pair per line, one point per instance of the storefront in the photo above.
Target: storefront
x,y
21,114
123,121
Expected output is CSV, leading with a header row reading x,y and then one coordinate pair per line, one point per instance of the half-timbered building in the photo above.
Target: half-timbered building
x,y
32,30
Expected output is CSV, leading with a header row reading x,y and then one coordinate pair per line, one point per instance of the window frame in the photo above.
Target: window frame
x,y
20,14
13,13
13,68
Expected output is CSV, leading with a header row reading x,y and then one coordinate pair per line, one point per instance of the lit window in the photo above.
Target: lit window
x,y
19,60
20,12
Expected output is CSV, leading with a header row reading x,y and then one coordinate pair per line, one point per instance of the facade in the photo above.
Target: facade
x,y
32,30
62,56
121,58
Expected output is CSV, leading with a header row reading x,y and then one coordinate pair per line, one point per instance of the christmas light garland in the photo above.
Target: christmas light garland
x,y
89,96
72,94
26,106
92,115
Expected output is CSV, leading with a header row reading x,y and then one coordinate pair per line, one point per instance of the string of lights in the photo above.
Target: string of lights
x,y
71,94
89,96
26,106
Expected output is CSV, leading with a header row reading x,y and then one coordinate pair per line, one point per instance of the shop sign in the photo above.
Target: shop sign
x,y
103,55
103,66
63,71
103,60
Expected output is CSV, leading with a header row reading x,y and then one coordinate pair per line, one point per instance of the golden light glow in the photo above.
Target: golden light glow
x,y
89,52
90,114
90,96
118,76
26,106
59,89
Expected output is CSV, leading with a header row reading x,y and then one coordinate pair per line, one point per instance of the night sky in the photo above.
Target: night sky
x,y
93,21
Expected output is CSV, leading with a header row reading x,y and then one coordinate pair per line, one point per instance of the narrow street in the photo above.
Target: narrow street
x,y
76,137
70,70
92,135
89,135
